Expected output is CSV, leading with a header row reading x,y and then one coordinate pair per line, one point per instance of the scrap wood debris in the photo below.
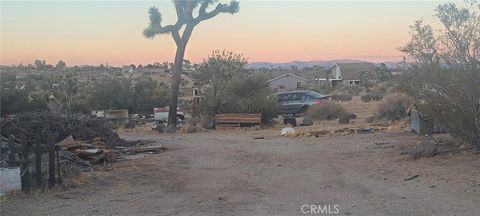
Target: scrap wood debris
x,y
83,140
97,152
412,177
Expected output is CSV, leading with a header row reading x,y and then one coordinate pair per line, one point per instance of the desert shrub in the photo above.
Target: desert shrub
x,y
349,89
378,92
245,93
444,76
366,98
252,95
216,99
345,119
326,111
393,107
341,96
341,92
265,104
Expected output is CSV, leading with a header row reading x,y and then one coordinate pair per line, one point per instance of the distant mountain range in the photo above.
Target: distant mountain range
x,y
304,64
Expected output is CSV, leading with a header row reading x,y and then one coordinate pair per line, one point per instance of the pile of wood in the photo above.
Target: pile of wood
x,y
97,151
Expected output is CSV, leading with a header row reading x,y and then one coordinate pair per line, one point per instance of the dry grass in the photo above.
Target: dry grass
x,y
326,111
393,107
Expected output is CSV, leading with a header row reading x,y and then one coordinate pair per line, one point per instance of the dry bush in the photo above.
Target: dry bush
x,y
345,92
378,92
444,77
326,111
350,89
393,107
341,96
344,119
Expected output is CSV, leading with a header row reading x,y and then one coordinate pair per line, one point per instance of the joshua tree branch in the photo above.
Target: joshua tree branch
x,y
220,8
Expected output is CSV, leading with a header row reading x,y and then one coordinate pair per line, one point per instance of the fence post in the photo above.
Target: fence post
x,y
57,149
11,148
51,161
38,161
25,170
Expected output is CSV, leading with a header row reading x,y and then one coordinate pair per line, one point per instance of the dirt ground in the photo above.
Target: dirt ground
x,y
230,173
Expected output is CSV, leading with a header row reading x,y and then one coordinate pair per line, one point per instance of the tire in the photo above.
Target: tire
x,y
302,110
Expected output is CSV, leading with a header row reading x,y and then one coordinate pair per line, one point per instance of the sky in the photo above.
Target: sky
x,y
110,32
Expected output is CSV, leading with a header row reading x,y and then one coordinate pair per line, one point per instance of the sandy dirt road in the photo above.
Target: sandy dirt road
x,y
230,173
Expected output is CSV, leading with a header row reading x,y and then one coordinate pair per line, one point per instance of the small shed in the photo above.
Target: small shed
x,y
421,124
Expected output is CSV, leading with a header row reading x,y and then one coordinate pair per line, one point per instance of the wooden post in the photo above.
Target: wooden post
x,y
51,160
25,169
57,149
11,148
1,152
38,161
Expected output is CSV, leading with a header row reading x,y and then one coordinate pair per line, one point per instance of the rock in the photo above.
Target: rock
x,y
429,149
307,121
287,130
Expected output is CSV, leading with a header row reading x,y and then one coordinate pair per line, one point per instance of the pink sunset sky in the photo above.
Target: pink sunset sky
x,y
94,32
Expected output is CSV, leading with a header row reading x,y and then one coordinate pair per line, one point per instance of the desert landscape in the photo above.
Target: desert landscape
x,y
222,107
259,172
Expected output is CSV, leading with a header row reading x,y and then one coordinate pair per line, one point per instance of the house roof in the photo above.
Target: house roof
x,y
352,71
287,75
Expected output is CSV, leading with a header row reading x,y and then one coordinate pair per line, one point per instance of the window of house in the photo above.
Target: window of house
x,y
299,84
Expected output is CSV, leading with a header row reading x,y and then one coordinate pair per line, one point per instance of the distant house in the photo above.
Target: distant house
x,y
198,93
287,82
347,73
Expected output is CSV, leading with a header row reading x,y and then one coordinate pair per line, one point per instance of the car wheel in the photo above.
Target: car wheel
x,y
302,110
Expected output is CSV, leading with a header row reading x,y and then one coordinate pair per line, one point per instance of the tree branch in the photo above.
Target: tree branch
x,y
232,8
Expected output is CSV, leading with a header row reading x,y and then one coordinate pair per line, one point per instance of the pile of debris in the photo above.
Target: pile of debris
x,y
97,151
80,139
79,126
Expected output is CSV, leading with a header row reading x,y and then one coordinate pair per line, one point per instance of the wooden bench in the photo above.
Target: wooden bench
x,y
238,119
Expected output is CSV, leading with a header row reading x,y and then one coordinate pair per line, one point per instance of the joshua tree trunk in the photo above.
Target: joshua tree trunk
x,y
185,15
175,87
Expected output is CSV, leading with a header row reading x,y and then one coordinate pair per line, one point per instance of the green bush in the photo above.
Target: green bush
x,y
393,107
265,104
242,94
326,111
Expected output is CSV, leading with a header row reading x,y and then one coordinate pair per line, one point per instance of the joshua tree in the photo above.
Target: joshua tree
x,y
189,14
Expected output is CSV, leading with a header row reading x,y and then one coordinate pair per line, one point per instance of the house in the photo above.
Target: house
x,y
347,73
198,93
287,82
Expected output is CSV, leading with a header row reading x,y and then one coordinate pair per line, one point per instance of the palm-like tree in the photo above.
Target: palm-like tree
x,y
189,14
